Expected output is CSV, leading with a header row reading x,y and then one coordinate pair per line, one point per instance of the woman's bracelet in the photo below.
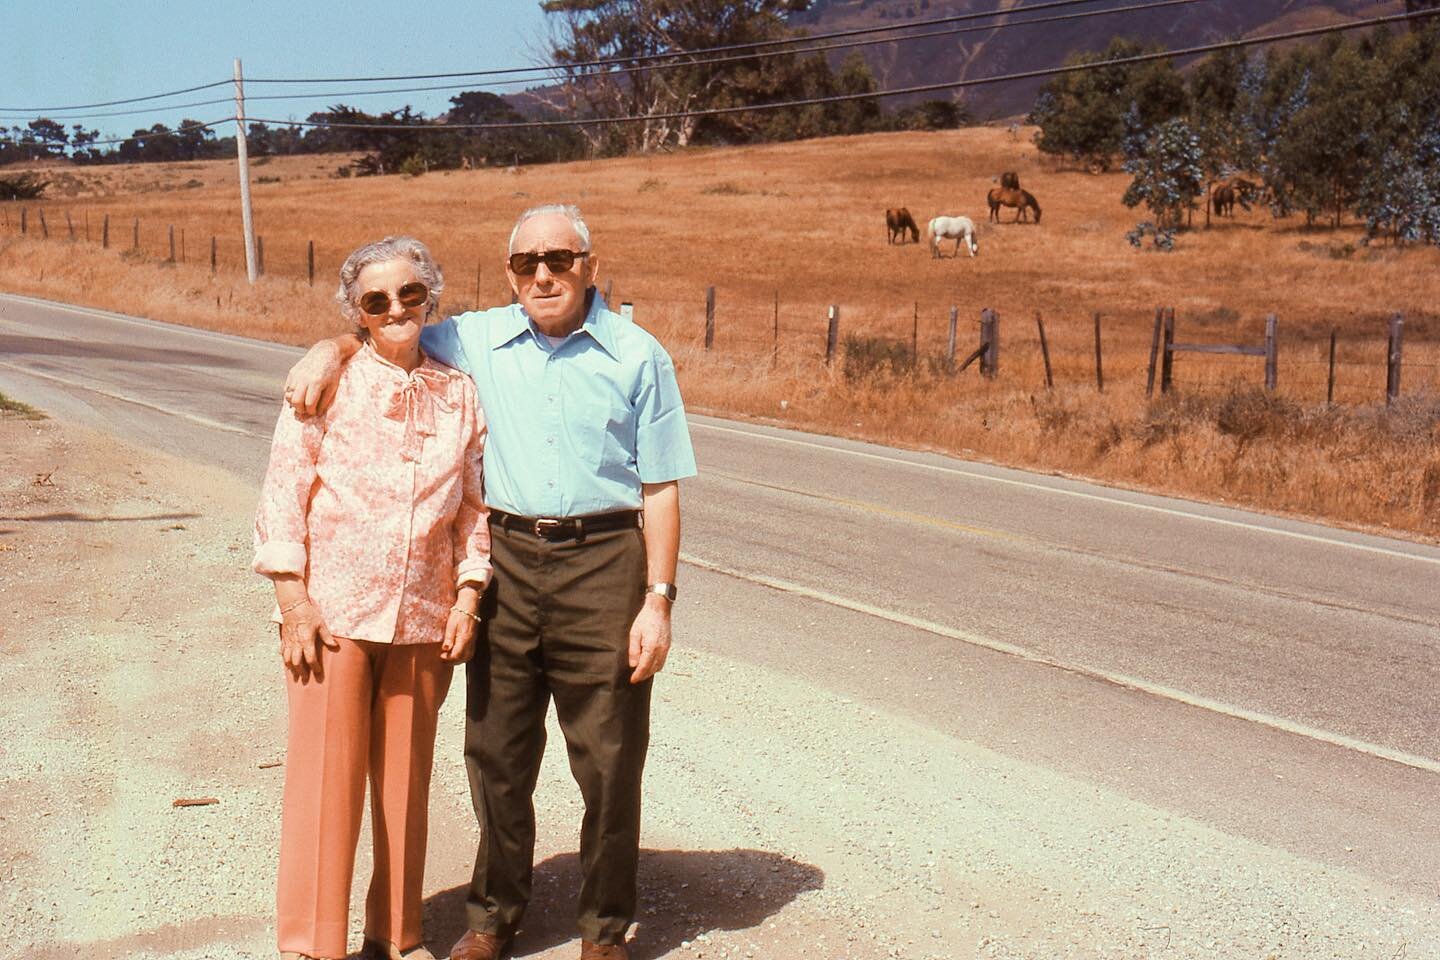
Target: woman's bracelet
x,y
294,606
468,614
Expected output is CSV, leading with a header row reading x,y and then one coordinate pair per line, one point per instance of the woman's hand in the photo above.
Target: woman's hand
x,y
301,634
459,643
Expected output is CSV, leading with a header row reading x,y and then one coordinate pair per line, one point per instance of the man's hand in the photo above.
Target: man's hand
x,y
650,638
302,632
310,385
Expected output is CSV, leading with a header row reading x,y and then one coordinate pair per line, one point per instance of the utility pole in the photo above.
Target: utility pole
x,y
242,155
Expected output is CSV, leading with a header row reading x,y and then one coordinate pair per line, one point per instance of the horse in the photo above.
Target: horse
x,y
1022,200
959,229
898,221
1225,194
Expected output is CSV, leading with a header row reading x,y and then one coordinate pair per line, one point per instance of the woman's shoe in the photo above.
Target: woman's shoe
x,y
384,950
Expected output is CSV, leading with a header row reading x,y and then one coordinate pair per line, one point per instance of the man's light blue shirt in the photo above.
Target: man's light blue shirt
x,y
577,427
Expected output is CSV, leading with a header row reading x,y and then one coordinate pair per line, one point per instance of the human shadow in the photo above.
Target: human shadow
x,y
683,894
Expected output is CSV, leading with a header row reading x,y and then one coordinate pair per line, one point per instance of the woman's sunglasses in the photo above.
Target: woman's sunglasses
x,y
556,261
376,303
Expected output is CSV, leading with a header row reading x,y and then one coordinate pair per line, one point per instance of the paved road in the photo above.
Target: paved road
x,y
1272,678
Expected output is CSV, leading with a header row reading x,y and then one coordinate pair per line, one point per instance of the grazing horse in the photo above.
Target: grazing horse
x,y
1225,194
898,221
1022,200
959,229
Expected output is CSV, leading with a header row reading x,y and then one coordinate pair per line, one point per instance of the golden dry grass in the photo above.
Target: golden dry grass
x,y
804,223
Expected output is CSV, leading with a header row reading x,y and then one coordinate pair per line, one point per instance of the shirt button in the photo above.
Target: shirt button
x,y
550,483
551,398
550,440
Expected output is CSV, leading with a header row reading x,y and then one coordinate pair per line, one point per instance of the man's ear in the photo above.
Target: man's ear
x,y
592,269
514,283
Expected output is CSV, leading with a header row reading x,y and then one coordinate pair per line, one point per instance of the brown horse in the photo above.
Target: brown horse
x,y
1022,200
898,222
1225,194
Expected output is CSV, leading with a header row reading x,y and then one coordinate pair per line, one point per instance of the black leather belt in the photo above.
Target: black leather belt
x,y
566,528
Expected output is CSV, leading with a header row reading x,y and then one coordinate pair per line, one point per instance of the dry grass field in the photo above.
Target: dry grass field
x,y
784,231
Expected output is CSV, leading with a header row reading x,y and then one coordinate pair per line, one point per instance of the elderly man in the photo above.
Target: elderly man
x,y
587,440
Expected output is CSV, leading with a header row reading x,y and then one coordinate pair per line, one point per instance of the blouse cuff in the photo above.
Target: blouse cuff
x,y
472,571
278,557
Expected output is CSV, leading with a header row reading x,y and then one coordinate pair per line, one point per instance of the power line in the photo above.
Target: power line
x,y
645,58
115,103
656,66
901,91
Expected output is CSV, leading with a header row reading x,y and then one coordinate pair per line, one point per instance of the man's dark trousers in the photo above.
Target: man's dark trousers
x,y
558,617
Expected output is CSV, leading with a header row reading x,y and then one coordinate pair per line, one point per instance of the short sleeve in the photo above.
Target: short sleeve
x,y
662,435
441,342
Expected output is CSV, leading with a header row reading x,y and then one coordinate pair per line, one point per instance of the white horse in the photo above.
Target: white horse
x,y
959,229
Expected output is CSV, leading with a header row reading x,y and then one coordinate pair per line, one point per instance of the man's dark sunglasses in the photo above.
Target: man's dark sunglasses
x,y
556,261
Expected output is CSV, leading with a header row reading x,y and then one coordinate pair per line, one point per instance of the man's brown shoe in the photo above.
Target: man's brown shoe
x,y
478,946
603,951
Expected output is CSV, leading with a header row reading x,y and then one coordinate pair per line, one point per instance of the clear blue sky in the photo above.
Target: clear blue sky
x,y
59,52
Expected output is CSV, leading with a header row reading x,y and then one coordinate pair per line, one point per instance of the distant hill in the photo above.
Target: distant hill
x,y
990,53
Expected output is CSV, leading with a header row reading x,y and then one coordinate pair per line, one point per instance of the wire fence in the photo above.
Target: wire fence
x,y
1105,349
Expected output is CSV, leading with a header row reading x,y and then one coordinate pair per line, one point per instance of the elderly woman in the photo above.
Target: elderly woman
x,y
372,526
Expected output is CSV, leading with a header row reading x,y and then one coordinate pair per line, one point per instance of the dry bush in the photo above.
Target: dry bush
x,y
784,231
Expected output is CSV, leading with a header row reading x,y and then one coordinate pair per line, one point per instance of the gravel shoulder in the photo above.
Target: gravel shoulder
x,y
783,820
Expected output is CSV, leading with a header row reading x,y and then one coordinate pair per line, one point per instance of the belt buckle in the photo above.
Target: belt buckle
x,y
545,526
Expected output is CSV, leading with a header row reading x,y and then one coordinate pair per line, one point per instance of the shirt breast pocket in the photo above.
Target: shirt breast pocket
x,y
609,435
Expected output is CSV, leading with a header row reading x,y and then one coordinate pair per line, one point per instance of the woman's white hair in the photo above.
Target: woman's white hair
x,y
383,251
568,210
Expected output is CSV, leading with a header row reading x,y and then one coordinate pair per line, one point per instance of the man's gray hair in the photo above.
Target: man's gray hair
x,y
383,251
568,210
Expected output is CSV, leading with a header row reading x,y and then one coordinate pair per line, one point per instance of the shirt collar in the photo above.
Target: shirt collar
x,y
598,323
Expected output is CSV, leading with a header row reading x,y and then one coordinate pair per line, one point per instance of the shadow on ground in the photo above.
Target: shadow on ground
x,y
683,893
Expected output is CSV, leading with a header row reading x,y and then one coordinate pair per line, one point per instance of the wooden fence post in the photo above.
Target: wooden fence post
x,y
24,221
44,227
915,335
87,226
1154,351
1167,356
1271,366
172,244
1099,369
70,225
989,343
950,349
105,233
182,244
609,290
1330,382
709,317
1393,359
832,333
775,340
1044,351
212,254
478,265
259,256
135,235
310,267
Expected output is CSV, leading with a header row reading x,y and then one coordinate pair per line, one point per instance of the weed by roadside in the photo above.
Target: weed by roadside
x,y
10,408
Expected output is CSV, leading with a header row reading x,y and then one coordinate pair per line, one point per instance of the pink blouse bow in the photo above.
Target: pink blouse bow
x,y
414,402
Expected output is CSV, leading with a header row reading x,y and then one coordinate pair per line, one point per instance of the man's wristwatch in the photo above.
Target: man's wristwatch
x,y
666,590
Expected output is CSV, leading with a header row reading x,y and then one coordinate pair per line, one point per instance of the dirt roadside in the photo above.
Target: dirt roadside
x,y
782,821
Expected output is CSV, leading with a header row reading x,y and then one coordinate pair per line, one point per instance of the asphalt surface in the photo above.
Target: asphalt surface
x,y
1272,678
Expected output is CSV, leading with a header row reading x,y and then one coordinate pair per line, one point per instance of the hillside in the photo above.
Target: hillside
x,y
989,52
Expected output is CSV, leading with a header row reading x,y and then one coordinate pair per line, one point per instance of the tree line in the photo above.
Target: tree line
x,y
1342,126
645,73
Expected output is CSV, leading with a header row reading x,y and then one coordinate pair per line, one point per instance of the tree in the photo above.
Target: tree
x,y
633,32
50,135
1166,165
1082,114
